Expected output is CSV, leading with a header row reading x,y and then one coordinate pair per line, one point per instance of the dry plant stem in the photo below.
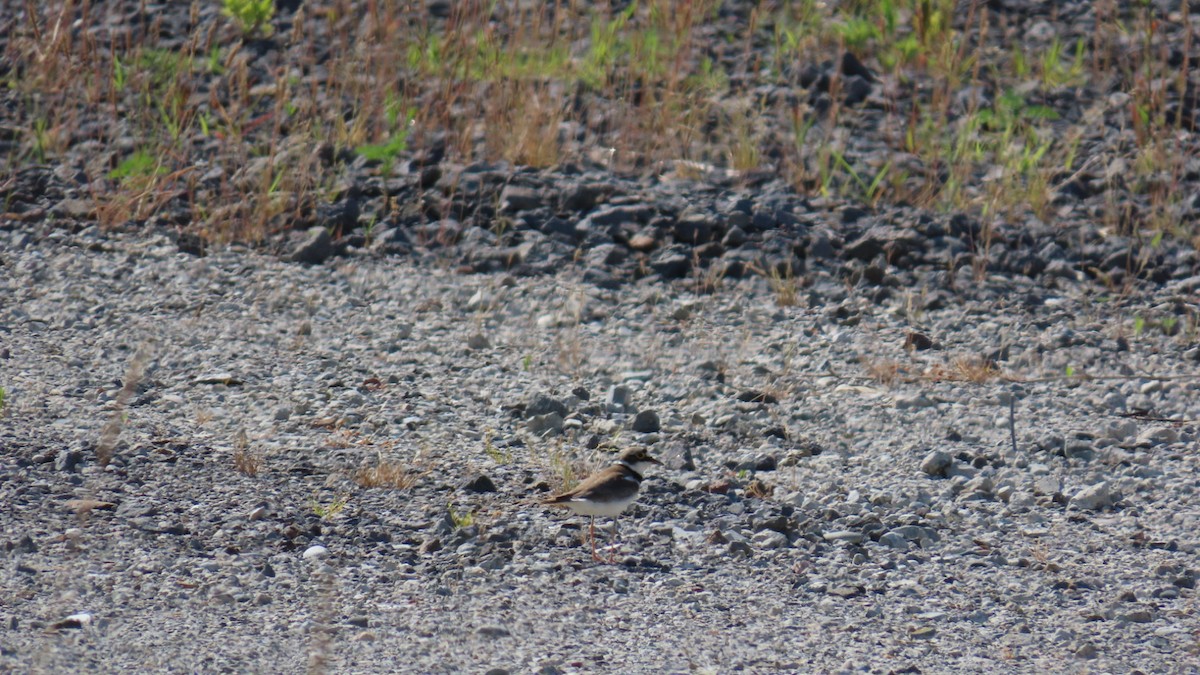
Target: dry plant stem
x,y
112,429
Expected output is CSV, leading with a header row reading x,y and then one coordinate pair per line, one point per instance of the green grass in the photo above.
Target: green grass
x,y
460,519
251,16
328,511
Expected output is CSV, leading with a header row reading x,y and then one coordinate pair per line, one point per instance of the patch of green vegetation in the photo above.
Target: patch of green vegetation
x,y
41,139
328,511
141,164
856,32
604,48
460,519
251,16
138,165
496,454
387,151
1057,74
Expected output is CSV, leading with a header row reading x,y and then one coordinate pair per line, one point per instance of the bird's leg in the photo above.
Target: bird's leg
x,y
616,543
592,532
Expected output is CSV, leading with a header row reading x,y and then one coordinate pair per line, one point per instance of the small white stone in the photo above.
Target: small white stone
x,y
315,552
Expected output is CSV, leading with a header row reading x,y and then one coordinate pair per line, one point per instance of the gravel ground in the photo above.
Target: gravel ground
x,y
840,493
898,435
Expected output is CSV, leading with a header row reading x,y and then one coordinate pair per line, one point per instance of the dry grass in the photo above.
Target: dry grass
x,y
543,84
883,371
387,474
565,470
246,460
111,431
973,369
782,280
759,489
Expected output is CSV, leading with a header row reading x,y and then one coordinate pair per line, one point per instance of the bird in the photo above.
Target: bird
x,y
607,492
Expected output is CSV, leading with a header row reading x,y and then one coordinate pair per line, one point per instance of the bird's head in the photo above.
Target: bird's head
x,y
638,459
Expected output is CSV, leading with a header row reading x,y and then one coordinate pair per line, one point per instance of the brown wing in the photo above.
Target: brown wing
x,y
585,489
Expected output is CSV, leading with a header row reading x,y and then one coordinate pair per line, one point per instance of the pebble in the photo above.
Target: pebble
x,y
770,539
542,425
914,401
1159,436
315,248
480,484
936,463
1092,498
646,422
1047,485
316,552
618,398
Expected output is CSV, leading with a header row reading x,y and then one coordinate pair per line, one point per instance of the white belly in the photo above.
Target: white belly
x,y
604,509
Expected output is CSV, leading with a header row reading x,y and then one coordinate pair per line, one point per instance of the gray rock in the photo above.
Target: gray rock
x,y
734,237
1093,497
1021,499
544,403
493,562
910,532
480,484
1122,430
542,425
936,463
671,264
923,633
846,591
25,545
1078,449
315,249
915,401
620,215
770,539
515,198
1115,401
67,460
77,209
1047,485
855,90
1140,615
618,398
1087,650
646,422
755,461
1159,436
694,227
